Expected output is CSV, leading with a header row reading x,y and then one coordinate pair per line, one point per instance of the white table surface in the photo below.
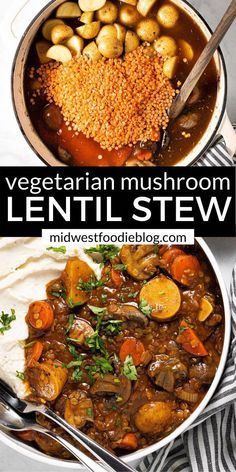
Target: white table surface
x,y
224,249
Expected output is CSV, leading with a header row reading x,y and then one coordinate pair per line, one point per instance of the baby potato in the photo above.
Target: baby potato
x,y
107,30
59,53
121,32
89,31
144,6
153,417
68,10
48,26
87,17
186,50
75,45
170,67
166,46
91,5
148,30
128,15
61,33
131,41
108,13
91,52
130,2
42,48
167,16
110,47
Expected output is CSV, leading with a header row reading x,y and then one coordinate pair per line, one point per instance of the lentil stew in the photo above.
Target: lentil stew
x,y
128,357
98,84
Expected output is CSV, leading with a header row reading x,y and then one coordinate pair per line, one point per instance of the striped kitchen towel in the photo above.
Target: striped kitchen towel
x,y
217,155
210,444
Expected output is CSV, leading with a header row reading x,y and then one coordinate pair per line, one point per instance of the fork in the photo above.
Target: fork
x,y
23,406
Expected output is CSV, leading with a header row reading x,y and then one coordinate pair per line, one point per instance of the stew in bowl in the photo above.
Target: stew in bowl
x,y
98,84
126,356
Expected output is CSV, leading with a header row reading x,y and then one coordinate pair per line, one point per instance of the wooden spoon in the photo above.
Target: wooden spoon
x,y
203,61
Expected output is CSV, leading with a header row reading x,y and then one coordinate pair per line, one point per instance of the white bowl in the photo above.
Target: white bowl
x,y
219,123
32,453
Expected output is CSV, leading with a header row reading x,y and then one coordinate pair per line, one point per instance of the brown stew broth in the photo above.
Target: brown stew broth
x,y
85,151
112,418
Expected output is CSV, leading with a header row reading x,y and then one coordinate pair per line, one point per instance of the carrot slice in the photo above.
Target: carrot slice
x,y
184,268
40,315
144,155
117,278
169,256
26,435
129,441
134,348
163,296
190,341
35,354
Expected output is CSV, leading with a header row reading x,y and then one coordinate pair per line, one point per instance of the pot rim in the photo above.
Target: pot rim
x,y
193,160
32,453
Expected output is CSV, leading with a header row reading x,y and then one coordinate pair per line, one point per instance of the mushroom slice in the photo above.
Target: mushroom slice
x,y
68,10
141,261
91,5
80,331
59,53
166,370
109,384
127,312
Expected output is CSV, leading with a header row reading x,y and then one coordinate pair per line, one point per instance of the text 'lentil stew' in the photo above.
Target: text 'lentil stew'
x,y
128,357
99,83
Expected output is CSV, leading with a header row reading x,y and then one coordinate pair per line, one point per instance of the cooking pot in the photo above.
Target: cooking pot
x,y
133,458
219,124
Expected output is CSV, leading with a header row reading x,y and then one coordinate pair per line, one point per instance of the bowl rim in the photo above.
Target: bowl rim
x,y
192,161
32,453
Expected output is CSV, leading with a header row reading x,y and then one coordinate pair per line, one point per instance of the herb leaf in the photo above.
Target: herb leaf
x,y
61,249
108,251
133,294
97,310
6,320
76,364
96,343
20,375
70,323
145,308
72,305
120,267
90,284
129,369
61,293
111,326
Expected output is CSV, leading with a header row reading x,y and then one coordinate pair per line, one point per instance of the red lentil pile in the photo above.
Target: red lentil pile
x,y
116,102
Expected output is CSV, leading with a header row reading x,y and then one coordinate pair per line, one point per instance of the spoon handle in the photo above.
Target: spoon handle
x,y
203,61
106,457
89,463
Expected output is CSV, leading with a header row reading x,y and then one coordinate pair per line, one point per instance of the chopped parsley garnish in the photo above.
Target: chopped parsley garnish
x,y
107,251
96,343
70,322
89,412
26,345
61,249
97,310
6,320
145,308
111,326
90,284
72,304
103,365
129,369
76,364
182,328
61,293
133,294
104,298
20,375
120,267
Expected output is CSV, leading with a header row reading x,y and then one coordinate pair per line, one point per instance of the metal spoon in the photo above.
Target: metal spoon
x,y
12,421
203,61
